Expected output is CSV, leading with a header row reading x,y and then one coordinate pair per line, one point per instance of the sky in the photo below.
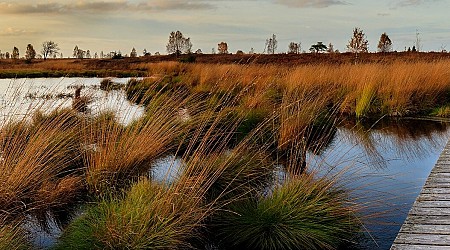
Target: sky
x,y
120,25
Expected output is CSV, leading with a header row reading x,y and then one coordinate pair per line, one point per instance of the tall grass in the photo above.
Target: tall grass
x,y
37,164
304,213
149,216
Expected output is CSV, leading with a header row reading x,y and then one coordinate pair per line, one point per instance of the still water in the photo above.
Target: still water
x,y
385,162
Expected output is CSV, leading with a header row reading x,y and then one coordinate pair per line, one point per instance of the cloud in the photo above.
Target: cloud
x,y
405,3
16,32
62,7
383,14
310,3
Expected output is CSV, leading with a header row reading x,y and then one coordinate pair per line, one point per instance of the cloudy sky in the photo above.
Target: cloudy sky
x,y
112,25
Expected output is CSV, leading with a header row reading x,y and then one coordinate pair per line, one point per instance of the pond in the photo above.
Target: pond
x,y
21,96
386,162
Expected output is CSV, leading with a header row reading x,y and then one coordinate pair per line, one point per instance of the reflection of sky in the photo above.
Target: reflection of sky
x,y
386,176
15,101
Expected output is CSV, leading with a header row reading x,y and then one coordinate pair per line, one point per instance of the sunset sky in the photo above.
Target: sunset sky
x,y
121,25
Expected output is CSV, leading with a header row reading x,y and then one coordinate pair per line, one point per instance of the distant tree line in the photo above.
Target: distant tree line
x,y
179,44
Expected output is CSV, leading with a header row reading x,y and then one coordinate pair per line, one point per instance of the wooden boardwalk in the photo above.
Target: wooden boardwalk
x,y
428,223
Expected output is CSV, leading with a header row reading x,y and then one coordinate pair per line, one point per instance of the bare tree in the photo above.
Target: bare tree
x,y
358,43
178,44
330,48
385,43
49,48
79,53
271,44
293,48
222,48
30,54
15,53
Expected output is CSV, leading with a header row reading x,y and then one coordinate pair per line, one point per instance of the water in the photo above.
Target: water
x,y
386,163
19,97
386,167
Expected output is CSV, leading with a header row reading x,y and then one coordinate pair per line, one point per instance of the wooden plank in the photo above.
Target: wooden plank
x,y
433,197
433,204
441,191
423,239
426,229
427,220
417,247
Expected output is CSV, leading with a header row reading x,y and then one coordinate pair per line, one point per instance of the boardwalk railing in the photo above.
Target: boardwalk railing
x,y
428,223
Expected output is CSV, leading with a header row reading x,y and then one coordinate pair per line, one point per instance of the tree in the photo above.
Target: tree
x,y
88,54
7,55
15,53
271,44
358,43
330,48
75,52
385,43
133,53
49,48
178,44
30,53
318,47
293,48
79,53
222,48
199,52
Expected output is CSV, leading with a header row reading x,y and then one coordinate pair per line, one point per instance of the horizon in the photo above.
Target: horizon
x,y
121,25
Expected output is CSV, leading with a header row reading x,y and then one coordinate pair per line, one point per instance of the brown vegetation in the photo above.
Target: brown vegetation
x,y
131,66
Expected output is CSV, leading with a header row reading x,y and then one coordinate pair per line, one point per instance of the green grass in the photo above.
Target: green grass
x,y
303,213
149,216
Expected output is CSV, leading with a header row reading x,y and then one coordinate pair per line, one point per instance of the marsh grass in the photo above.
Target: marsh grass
x,y
305,213
230,125
123,153
35,156
13,237
148,216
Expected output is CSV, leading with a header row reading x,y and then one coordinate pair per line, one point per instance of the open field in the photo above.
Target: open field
x,y
132,66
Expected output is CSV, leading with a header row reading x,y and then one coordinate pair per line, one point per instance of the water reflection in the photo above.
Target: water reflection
x,y
386,163
19,97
